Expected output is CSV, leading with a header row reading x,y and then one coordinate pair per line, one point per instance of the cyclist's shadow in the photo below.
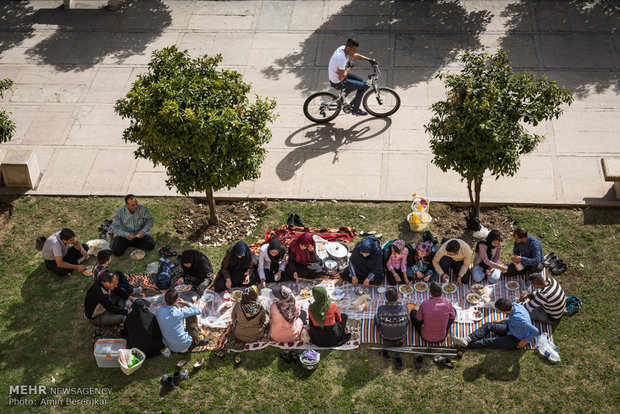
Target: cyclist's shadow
x,y
317,139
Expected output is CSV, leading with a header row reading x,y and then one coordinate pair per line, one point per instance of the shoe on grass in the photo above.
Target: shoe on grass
x,y
385,354
459,341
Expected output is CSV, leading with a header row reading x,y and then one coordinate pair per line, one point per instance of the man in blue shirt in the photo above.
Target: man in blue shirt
x,y
392,319
179,325
514,332
527,254
131,225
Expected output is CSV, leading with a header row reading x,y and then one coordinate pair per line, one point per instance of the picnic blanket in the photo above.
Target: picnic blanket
x,y
286,234
215,319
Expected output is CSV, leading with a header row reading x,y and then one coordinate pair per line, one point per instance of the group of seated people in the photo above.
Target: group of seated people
x,y
369,263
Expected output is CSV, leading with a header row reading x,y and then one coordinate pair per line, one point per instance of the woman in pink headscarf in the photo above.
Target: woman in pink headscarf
x,y
302,259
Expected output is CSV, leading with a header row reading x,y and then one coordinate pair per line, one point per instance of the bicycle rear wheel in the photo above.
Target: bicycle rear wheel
x,y
384,102
322,107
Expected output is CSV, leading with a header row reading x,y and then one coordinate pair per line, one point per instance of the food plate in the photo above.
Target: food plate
x,y
304,293
183,287
380,289
474,298
337,294
512,285
406,289
477,315
88,271
478,288
448,288
421,286
137,254
236,294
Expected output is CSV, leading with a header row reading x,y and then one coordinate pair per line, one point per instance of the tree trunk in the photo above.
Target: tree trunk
x,y
477,187
212,213
469,191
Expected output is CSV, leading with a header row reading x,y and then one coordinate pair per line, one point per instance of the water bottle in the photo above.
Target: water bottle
x,y
552,354
547,348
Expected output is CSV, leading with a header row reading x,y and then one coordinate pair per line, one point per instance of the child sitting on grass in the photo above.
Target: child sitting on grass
x,y
423,258
104,257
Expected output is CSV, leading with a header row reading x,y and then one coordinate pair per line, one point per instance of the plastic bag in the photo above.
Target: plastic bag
x,y
547,348
152,268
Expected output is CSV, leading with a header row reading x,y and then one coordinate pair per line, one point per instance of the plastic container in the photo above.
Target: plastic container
x,y
425,221
106,352
130,370
310,359
547,348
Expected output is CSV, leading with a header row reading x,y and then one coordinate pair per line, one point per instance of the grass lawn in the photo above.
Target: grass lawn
x,y
44,339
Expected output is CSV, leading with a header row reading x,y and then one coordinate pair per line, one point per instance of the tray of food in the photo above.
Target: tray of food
x,y
304,293
448,288
473,298
421,286
478,288
406,289
137,254
512,285
88,270
182,287
236,294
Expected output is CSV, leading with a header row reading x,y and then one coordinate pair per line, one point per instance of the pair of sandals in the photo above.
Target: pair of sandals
x,y
397,358
181,374
443,361
295,221
167,252
289,356
555,265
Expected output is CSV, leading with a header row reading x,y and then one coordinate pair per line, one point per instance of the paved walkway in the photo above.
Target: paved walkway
x,y
70,67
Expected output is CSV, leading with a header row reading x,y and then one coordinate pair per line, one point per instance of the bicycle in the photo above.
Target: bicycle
x,y
380,101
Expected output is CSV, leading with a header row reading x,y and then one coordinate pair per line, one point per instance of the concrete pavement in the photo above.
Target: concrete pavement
x,y
71,66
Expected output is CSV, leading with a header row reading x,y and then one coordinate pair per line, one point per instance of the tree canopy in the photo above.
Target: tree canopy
x,y
197,121
481,126
7,126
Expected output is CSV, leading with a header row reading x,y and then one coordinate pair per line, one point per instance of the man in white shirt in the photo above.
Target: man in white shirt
x,y
339,73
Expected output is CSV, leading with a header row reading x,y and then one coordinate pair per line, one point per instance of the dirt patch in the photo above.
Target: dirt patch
x,y
236,220
450,222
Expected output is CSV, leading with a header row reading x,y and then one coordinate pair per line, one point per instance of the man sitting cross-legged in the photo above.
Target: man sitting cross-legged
x,y
105,302
179,324
131,225
435,316
511,333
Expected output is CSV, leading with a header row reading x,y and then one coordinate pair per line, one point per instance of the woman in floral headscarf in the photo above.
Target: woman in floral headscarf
x,y
421,268
397,263
250,321
302,259
327,324
286,326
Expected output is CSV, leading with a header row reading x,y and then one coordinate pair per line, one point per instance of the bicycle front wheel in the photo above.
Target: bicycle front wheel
x,y
382,102
322,107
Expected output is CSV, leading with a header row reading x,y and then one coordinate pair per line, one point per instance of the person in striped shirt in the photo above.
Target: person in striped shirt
x,y
548,301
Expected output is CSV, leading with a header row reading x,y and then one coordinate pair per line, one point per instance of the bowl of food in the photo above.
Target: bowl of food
x,y
381,289
448,288
477,315
421,286
512,285
236,294
473,298
182,287
338,294
478,288
137,254
88,270
304,293
406,289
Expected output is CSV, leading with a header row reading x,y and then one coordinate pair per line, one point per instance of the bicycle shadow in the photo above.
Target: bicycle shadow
x,y
315,140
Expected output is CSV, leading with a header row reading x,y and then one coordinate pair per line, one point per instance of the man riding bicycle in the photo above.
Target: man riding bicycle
x,y
339,73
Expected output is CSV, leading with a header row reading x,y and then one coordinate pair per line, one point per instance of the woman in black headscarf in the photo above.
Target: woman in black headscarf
x,y
271,262
365,264
197,270
238,268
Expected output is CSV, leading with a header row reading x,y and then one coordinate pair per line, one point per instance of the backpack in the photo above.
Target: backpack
x,y
473,222
573,304
164,274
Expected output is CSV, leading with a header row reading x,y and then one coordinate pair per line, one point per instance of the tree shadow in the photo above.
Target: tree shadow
x,y
16,20
85,38
388,31
575,42
317,139
497,366
598,216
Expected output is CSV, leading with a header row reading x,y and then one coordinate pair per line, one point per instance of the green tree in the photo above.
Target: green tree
x,y
198,122
7,126
481,125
